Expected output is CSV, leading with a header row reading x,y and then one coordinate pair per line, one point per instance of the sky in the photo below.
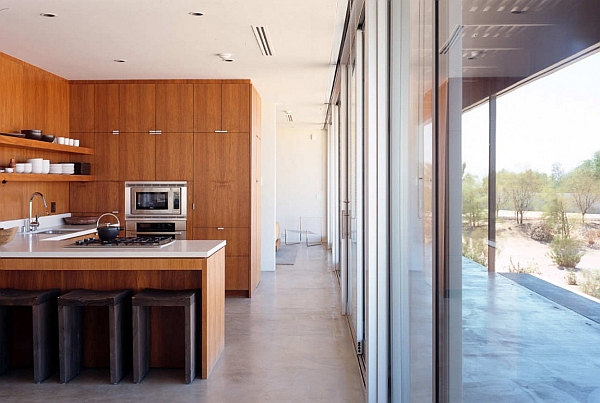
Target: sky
x,y
553,119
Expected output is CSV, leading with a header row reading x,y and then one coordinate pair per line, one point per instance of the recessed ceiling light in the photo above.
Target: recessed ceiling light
x,y
49,15
196,13
226,57
119,60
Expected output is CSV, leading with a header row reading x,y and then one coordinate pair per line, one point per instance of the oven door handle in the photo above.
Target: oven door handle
x,y
138,233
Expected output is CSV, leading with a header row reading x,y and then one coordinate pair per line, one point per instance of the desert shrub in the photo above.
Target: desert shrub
x,y
541,232
591,236
565,252
571,277
590,283
528,267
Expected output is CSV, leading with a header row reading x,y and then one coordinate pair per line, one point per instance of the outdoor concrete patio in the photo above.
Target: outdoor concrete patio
x,y
519,346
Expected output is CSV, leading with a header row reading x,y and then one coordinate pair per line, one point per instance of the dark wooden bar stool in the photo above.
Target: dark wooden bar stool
x,y
141,328
70,318
43,306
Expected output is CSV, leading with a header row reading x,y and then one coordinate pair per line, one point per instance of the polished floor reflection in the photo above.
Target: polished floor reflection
x,y
288,343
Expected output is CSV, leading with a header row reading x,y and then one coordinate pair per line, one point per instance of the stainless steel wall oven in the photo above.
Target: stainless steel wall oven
x,y
156,209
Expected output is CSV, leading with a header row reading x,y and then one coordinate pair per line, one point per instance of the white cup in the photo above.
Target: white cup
x,y
60,140
36,168
76,143
8,170
28,167
71,142
20,168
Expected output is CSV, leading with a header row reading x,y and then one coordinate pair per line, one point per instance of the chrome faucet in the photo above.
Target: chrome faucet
x,y
32,225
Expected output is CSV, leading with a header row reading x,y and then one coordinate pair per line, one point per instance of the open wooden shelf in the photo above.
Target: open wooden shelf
x,y
18,142
4,177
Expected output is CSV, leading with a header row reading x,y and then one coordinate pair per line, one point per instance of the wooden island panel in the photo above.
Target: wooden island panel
x,y
205,274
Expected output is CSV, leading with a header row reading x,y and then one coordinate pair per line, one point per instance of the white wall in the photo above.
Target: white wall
x,y
268,187
301,177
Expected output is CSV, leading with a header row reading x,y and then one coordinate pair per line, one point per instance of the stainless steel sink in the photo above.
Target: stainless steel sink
x,y
59,231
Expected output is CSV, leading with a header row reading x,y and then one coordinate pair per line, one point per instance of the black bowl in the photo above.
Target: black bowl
x,y
32,134
48,137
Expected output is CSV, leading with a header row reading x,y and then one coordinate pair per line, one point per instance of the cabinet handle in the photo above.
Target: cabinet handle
x,y
220,131
157,131
115,132
220,228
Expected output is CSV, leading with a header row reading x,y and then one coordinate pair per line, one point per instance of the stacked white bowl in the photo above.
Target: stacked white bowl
x,y
68,168
36,165
55,168
45,166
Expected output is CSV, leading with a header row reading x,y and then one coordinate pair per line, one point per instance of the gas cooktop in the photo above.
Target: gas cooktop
x,y
128,242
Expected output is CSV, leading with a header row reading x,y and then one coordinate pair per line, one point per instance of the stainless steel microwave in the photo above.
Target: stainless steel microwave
x,y
155,199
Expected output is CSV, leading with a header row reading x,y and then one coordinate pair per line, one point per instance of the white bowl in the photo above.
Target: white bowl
x,y
35,160
20,168
9,170
36,168
28,167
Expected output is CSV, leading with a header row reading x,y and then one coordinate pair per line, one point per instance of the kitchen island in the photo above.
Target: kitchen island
x,y
34,262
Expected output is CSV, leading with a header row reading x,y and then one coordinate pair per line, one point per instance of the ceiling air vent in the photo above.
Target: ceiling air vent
x,y
264,40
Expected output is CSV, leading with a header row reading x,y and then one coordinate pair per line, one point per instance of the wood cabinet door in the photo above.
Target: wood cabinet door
x,y
81,106
96,197
222,179
11,100
237,273
106,157
207,107
137,157
235,109
175,108
238,239
174,156
136,108
106,108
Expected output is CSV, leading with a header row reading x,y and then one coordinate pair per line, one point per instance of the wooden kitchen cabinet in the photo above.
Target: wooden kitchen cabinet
x,y
106,108
175,108
222,178
207,107
237,254
11,88
81,108
174,158
136,157
235,107
99,197
237,238
107,162
222,108
137,108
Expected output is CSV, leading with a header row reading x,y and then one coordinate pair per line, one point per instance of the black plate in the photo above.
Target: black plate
x,y
13,134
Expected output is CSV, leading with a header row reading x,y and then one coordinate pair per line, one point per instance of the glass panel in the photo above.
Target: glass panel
x,y
475,157
522,331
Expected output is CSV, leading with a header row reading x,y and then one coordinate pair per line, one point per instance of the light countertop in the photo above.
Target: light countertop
x,y
38,246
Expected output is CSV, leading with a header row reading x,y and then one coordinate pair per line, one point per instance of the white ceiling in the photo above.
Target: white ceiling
x,y
160,40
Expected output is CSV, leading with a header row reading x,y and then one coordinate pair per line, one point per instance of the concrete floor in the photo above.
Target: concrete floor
x,y
287,344
520,347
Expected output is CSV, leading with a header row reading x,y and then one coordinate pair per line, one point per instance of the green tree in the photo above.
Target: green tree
x,y
555,212
474,195
522,188
584,185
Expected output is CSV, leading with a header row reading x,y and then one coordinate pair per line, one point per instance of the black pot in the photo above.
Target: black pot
x,y
108,232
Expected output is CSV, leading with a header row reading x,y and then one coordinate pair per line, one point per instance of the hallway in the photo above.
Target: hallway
x,y
287,344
